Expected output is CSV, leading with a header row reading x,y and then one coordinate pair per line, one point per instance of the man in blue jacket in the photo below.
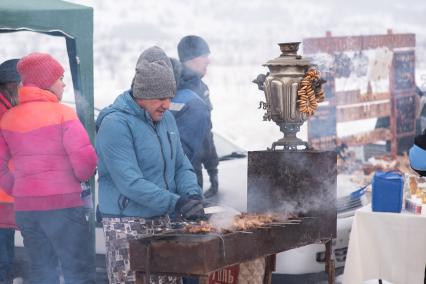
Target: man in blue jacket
x,y
194,53
144,175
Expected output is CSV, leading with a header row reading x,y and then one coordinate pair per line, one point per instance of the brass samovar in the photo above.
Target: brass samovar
x,y
283,87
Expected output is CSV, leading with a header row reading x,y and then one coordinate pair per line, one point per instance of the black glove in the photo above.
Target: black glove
x,y
191,207
214,184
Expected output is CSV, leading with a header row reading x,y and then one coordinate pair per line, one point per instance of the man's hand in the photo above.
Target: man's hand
x,y
191,207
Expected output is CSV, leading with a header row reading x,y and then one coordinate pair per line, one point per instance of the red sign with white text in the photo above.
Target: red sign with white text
x,y
228,275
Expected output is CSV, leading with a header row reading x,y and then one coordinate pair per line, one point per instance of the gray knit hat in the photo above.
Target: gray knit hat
x,y
192,46
8,72
154,77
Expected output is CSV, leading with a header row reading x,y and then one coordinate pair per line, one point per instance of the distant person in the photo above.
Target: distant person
x,y
9,82
144,176
417,158
417,154
194,53
52,155
192,118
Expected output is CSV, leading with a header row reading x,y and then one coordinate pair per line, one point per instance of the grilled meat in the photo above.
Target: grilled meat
x,y
240,222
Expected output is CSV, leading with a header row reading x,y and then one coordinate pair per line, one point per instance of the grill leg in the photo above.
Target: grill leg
x,y
269,268
144,277
140,279
329,262
147,264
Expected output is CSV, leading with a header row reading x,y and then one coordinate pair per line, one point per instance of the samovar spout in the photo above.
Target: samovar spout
x,y
260,79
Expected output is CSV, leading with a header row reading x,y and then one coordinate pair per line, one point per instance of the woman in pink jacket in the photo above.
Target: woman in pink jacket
x,y
52,155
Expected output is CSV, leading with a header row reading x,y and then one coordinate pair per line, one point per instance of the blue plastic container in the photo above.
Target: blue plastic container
x,y
387,192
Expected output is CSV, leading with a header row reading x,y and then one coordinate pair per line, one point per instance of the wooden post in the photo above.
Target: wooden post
x,y
329,261
203,279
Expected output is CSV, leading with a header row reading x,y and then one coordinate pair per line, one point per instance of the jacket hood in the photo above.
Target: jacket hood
x,y
123,103
189,75
192,80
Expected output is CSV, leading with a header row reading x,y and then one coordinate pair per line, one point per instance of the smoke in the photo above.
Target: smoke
x,y
82,105
223,221
302,183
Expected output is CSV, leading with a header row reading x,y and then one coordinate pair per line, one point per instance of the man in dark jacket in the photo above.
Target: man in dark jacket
x,y
192,118
194,53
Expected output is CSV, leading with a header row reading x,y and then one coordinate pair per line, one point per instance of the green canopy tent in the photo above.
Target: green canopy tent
x,y
74,23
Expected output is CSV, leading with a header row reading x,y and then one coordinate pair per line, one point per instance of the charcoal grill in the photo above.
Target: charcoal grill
x,y
200,254
279,182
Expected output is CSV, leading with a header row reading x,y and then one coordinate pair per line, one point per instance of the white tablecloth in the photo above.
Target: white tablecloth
x,y
389,246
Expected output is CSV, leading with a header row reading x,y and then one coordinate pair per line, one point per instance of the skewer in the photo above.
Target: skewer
x,y
244,232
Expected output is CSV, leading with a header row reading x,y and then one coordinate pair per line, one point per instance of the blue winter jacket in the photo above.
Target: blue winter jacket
x,y
193,120
191,80
142,167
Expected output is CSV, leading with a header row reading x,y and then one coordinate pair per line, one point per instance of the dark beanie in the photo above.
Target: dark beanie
x,y
154,77
8,72
192,46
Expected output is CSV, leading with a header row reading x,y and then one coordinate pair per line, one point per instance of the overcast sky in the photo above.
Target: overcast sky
x,y
242,35
294,19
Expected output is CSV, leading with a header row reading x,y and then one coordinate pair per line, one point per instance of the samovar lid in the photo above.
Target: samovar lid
x,y
289,56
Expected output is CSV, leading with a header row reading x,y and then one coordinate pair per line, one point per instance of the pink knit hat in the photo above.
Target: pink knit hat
x,y
40,70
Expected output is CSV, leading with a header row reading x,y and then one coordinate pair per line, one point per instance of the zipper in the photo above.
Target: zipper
x,y
171,146
163,156
154,128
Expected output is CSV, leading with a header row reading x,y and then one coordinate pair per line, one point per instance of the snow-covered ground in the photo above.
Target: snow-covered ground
x,y
242,36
